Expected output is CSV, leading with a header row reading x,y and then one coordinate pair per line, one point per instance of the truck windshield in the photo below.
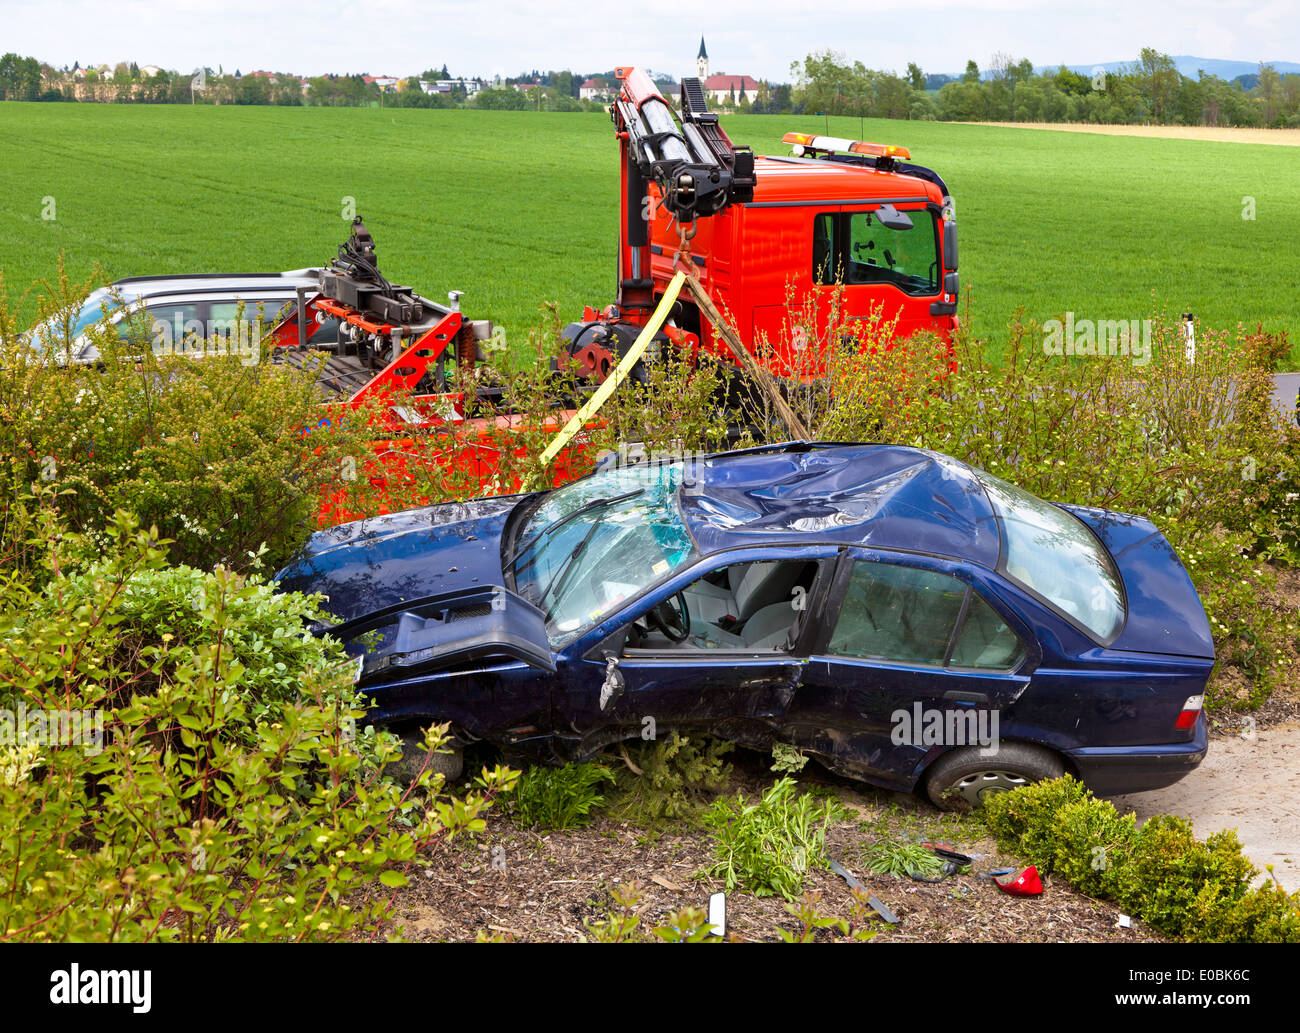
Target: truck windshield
x,y
598,542
856,248
1053,555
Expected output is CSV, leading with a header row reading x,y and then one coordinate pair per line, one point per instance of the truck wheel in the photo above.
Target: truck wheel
x,y
408,767
963,780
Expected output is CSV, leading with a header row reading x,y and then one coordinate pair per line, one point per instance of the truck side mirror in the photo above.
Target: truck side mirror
x,y
950,246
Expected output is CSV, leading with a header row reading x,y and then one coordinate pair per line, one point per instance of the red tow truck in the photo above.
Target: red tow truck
x,y
840,231
838,223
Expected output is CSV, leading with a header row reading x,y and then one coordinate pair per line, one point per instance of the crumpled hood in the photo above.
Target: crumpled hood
x,y
371,564
1164,611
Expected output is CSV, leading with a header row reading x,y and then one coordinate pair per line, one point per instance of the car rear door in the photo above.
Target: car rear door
x,y
916,656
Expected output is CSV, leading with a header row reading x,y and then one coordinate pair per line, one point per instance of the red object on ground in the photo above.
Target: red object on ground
x,y
1024,883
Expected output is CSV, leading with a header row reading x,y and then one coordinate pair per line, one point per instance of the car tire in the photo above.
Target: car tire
x,y
408,767
962,779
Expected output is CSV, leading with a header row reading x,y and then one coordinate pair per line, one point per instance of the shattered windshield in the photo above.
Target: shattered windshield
x,y
596,543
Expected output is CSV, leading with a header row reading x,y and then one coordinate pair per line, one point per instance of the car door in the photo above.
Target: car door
x,y
915,657
716,683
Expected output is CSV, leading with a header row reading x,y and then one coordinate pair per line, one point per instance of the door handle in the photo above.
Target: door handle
x,y
961,696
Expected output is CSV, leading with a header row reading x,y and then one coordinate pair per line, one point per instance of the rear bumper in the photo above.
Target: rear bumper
x,y
1114,770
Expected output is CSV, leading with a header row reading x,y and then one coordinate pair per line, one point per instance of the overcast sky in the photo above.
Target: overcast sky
x,y
757,37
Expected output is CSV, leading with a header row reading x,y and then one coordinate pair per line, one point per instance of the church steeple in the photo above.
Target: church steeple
x,y
702,61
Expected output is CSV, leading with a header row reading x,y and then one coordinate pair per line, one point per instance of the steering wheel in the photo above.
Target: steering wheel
x,y
673,622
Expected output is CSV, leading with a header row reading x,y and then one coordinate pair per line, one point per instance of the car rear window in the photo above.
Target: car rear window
x,y
1052,554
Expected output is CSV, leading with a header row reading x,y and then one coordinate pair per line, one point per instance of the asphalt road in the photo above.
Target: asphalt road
x,y
1285,387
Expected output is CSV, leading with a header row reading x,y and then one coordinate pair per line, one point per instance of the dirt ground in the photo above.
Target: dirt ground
x,y
1219,134
515,884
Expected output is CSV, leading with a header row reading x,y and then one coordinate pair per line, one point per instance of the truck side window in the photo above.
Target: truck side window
x,y
824,265
853,248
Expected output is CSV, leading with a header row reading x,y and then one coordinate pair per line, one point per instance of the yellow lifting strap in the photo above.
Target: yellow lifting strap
x,y
620,373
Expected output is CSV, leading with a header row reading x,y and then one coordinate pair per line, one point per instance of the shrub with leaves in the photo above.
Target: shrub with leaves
x,y
559,798
211,450
669,777
1159,872
222,800
768,846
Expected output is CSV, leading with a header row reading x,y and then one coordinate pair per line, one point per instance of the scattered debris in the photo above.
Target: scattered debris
x,y
1025,883
857,884
718,914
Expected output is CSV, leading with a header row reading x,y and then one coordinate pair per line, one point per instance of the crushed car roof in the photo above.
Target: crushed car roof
x,y
878,496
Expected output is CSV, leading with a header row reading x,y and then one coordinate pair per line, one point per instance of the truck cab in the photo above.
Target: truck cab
x,y
839,240
823,241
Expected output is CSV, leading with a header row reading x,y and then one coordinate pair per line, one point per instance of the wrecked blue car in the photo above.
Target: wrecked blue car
x,y
900,617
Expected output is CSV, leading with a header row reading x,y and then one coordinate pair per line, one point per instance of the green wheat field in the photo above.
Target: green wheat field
x,y
520,208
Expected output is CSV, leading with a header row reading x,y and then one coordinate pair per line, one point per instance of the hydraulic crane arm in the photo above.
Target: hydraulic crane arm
x,y
695,167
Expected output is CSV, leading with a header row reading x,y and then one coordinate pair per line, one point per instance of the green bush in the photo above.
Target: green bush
x,y
189,793
209,450
559,798
1160,872
671,776
768,847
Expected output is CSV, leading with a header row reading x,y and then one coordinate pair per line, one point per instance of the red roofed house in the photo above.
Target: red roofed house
x,y
731,89
594,89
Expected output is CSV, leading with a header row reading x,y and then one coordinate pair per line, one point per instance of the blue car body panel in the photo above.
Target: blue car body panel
x,y
1108,709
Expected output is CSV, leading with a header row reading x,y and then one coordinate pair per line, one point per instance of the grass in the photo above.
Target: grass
x,y
517,208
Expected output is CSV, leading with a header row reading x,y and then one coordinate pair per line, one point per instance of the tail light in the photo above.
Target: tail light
x,y
1190,712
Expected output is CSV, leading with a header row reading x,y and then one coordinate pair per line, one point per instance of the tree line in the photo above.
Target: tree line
x,y
1150,90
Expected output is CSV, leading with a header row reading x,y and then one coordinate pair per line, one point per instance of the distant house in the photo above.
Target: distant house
x,y
149,71
470,86
731,89
594,89
387,83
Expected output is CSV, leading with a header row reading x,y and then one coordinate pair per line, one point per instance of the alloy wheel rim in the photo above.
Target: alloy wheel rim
x,y
977,786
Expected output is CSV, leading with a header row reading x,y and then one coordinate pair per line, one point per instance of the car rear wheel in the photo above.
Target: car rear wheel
x,y
962,779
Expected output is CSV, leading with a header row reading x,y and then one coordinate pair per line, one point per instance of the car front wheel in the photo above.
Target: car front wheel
x,y
963,779
449,762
